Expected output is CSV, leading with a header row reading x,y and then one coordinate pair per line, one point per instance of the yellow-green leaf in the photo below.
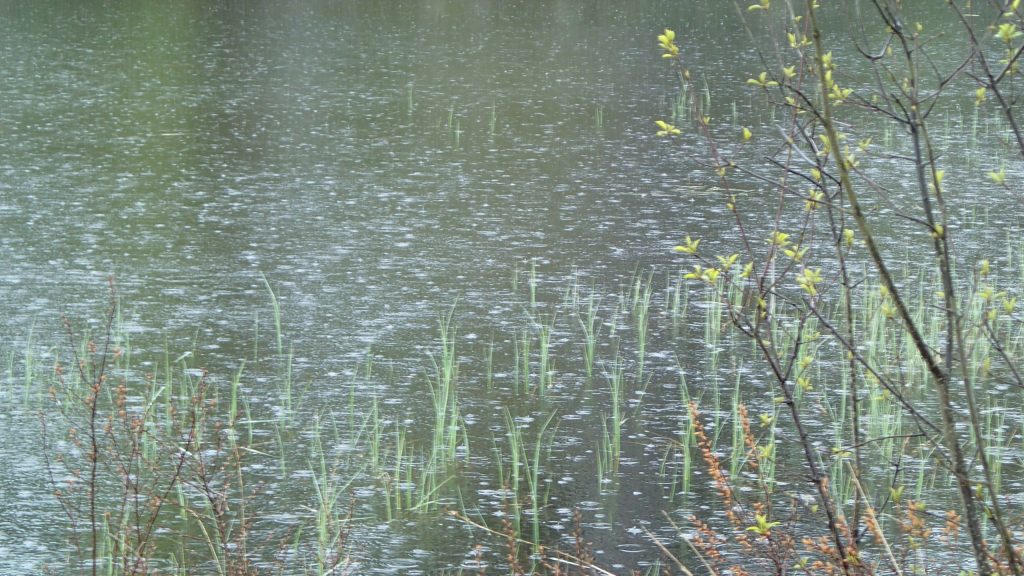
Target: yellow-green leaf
x,y
728,261
689,246
1007,32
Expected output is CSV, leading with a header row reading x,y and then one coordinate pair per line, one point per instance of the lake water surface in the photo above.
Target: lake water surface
x,y
377,165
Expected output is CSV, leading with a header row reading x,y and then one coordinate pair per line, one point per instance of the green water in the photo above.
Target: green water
x,y
379,163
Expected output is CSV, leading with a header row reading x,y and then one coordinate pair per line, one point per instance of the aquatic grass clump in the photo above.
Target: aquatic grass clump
x,y
680,482
534,462
394,501
590,325
678,298
523,344
545,367
30,390
610,441
536,335
444,395
641,308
